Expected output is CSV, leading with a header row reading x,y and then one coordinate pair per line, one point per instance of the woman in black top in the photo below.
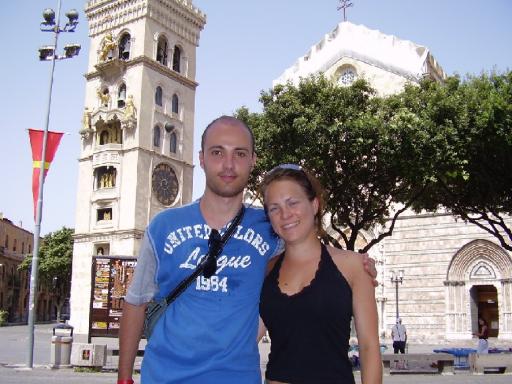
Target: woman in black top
x,y
483,335
312,291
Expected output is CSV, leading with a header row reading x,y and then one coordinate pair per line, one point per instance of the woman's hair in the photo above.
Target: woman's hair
x,y
309,184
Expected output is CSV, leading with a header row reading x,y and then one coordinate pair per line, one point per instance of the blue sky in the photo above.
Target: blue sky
x,y
244,46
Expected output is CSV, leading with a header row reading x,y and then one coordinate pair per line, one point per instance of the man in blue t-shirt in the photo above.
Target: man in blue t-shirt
x,y
208,335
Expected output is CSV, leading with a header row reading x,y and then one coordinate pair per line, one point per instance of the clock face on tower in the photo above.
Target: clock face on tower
x,y
165,184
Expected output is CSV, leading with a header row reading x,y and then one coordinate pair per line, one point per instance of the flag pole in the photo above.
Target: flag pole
x,y
39,210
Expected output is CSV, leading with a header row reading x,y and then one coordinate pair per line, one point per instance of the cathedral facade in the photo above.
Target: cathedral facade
x,y
136,155
437,273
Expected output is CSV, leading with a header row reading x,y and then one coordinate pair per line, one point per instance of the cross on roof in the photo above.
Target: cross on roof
x,y
344,4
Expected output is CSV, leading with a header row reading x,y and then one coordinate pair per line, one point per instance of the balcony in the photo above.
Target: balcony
x,y
108,156
105,194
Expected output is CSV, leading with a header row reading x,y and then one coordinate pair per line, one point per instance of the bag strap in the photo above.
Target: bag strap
x,y
180,288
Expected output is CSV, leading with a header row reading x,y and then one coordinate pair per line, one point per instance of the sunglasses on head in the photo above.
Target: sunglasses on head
x,y
214,247
293,167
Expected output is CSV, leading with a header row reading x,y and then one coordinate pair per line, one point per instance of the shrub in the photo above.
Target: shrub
x,y
3,317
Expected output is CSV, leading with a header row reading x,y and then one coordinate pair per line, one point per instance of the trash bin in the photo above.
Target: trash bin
x,y
62,340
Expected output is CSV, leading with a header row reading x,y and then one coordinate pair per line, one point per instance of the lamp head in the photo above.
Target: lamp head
x,y
72,16
71,50
49,17
46,53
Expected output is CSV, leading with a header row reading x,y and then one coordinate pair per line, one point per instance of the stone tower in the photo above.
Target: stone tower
x,y
137,130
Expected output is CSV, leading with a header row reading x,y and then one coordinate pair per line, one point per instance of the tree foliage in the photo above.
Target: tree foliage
x,y
361,147
472,169
55,258
432,146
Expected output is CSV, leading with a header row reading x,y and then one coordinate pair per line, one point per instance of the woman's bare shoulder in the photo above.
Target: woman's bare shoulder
x,y
345,256
349,263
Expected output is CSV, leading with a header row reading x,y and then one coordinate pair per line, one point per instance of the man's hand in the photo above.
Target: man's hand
x,y
369,267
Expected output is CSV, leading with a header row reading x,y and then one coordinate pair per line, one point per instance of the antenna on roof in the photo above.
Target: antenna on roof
x,y
344,4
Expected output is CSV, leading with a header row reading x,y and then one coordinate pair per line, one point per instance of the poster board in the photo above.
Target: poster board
x,y
110,278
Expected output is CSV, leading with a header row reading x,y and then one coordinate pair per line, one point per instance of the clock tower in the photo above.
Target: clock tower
x,y
136,133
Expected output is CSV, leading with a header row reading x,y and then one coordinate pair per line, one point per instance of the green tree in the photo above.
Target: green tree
x,y
365,150
471,123
55,257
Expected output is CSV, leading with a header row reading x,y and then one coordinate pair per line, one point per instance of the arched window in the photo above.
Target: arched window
x,y
173,142
176,59
104,137
158,96
161,50
156,136
124,46
175,104
121,96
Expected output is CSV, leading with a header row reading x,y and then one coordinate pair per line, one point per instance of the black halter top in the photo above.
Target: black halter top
x,y
309,330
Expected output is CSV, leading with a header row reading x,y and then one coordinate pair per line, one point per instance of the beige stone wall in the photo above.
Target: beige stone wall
x,y
424,247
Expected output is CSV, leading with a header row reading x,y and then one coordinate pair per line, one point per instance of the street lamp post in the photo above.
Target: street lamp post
x,y
397,279
46,53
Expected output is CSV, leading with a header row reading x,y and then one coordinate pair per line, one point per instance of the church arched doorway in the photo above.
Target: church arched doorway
x,y
484,304
479,283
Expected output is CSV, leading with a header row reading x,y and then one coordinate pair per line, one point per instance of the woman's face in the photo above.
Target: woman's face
x,y
291,213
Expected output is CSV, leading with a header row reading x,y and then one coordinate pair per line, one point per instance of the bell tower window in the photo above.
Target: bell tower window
x,y
173,140
124,46
156,136
104,214
121,96
176,59
161,50
158,96
175,104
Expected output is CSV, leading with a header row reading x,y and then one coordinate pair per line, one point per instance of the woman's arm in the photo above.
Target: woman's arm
x,y
366,321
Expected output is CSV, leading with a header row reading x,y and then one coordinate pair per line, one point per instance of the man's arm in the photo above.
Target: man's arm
x,y
130,333
140,292
261,330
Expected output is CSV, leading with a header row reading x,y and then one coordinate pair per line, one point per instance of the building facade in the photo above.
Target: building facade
x,y
15,244
137,130
453,272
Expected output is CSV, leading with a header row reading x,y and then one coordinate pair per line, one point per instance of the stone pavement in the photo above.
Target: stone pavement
x,y
13,356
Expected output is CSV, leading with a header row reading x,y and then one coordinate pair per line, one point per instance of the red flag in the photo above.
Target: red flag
x,y
36,142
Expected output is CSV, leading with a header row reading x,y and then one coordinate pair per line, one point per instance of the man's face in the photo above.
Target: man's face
x,y
227,158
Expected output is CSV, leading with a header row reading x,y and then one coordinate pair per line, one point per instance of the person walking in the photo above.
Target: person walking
x,y
399,335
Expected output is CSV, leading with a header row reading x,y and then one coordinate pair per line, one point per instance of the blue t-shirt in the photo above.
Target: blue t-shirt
x,y
208,335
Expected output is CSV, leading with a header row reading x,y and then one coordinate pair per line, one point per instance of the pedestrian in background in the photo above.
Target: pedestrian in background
x,y
483,335
399,335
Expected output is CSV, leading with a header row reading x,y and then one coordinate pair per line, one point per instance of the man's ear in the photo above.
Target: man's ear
x,y
201,159
254,159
